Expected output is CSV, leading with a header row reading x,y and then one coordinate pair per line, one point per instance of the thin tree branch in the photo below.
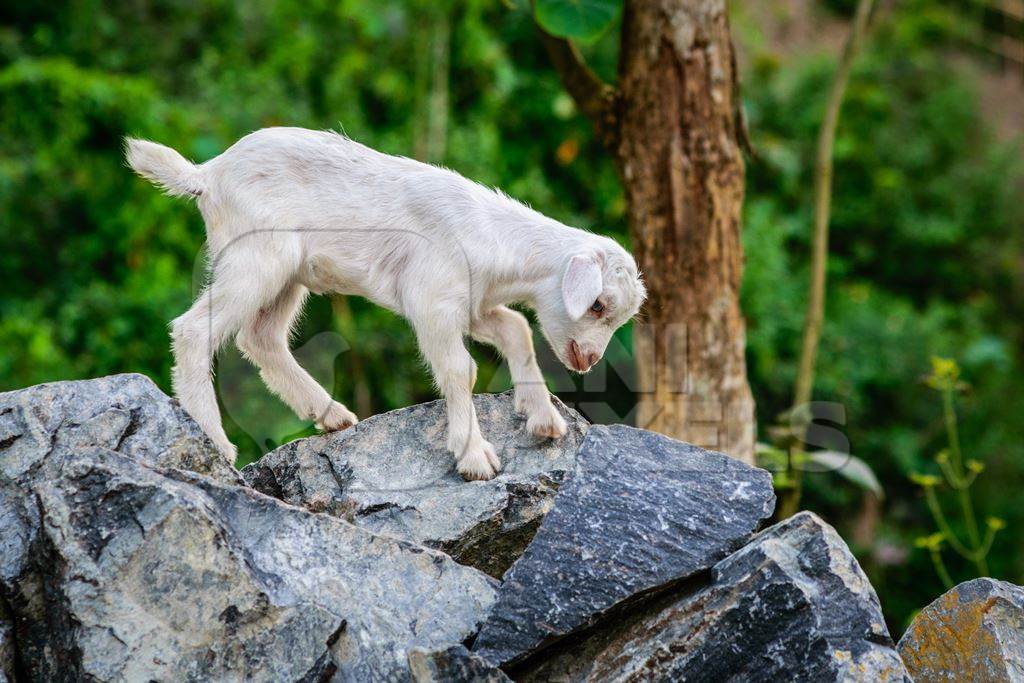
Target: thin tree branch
x,y
819,249
595,98
823,205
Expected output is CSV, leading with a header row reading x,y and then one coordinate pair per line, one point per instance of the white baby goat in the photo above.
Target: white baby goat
x,y
289,211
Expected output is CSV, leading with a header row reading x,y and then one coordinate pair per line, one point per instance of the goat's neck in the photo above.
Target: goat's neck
x,y
541,251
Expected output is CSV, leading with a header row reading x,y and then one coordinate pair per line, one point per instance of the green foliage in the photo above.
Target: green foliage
x,y
959,476
95,262
924,249
926,217
783,459
850,467
582,20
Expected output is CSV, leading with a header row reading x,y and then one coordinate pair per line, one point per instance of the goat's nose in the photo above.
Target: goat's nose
x,y
592,359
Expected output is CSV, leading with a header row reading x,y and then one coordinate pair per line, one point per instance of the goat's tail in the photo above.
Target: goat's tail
x,y
170,171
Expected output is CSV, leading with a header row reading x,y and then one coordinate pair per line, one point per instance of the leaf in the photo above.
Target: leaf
x,y
851,467
582,20
771,458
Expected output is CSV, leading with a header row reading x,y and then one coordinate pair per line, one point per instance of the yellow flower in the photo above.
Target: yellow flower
x,y
945,373
924,480
932,542
995,523
975,466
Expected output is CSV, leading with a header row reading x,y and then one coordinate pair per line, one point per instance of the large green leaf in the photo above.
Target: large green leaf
x,y
577,19
851,467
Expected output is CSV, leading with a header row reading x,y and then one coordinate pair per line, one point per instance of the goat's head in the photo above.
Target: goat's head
x,y
600,291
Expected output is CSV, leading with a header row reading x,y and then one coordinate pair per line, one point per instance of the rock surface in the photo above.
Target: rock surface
x,y
638,512
974,632
452,664
6,645
791,605
159,574
392,474
126,413
116,563
41,425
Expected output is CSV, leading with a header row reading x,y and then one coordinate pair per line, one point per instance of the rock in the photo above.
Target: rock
x,y
639,512
392,474
792,605
974,632
125,413
452,664
41,425
6,645
158,574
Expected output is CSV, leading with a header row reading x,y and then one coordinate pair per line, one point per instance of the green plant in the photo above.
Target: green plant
x,y
815,317
959,475
781,460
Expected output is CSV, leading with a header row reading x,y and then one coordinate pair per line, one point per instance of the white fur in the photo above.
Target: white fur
x,y
289,211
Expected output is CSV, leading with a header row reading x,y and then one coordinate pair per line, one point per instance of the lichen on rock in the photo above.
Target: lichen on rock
x,y
974,632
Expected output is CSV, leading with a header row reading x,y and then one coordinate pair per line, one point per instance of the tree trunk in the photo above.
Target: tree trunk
x,y
673,126
680,160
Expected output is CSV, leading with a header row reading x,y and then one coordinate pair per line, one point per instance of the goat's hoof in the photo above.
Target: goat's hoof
x,y
546,423
479,464
336,418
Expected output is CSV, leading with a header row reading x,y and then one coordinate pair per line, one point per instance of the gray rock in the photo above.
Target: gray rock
x,y
392,474
974,632
639,512
792,605
41,425
126,413
454,664
7,652
158,574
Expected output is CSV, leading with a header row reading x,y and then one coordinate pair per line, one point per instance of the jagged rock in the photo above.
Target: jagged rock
x,y
974,632
153,574
6,645
392,474
41,425
126,413
792,605
452,665
638,512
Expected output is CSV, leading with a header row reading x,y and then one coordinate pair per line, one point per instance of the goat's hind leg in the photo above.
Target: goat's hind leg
x,y
232,298
264,341
196,336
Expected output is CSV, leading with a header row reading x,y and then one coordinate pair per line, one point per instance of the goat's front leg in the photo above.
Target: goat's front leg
x,y
509,332
455,375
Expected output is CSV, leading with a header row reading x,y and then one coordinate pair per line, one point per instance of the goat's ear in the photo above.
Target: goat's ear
x,y
581,284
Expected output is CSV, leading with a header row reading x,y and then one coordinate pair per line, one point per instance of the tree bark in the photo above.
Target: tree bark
x,y
674,127
680,160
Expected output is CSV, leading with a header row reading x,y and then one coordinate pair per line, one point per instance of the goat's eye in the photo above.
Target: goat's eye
x,y
597,307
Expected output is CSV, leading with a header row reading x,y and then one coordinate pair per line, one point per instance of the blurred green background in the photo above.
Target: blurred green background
x,y
927,229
